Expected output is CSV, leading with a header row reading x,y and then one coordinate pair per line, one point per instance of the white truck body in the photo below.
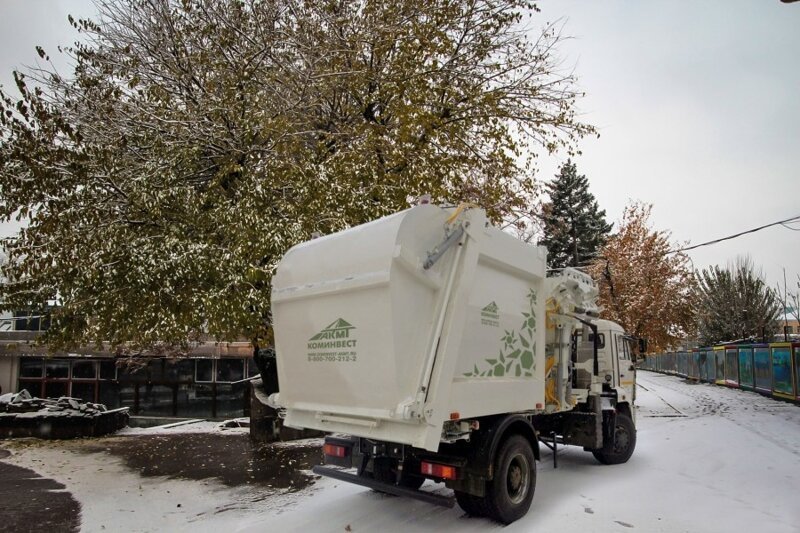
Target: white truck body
x,y
371,343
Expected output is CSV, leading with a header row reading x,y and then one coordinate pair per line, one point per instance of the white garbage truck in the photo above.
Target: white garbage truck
x,y
432,345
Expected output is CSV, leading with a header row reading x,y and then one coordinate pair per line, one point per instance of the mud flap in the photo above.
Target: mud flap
x,y
609,427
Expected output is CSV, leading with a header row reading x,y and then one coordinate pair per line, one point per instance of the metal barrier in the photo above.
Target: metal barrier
x,y
770,369
763,368
732,366
746,377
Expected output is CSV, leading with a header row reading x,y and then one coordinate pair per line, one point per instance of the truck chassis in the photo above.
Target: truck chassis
x,y
493,472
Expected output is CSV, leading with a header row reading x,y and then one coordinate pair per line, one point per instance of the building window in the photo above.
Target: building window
x,y
84,370
30,368
229,370
162,387
56,369
205,371
108,370
31,321
181,370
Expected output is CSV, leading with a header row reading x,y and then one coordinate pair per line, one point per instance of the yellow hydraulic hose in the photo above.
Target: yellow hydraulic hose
x,y
461,207
550,383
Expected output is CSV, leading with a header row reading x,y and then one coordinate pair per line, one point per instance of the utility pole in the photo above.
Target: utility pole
x,y
785,304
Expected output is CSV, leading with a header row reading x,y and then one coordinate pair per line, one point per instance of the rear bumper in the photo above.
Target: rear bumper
x,y
436,499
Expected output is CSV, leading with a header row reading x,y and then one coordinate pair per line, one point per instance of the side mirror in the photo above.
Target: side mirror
x,y
642,346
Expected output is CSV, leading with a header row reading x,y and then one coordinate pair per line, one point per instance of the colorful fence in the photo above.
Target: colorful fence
x,y
771,369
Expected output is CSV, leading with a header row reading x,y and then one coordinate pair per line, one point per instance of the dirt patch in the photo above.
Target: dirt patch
x,y
232,459
34,503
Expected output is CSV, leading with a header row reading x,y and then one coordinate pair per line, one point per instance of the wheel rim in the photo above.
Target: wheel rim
x,y
517,478
621,440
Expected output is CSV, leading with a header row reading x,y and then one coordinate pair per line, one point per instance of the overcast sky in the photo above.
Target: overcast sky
x,y
698,108
697,104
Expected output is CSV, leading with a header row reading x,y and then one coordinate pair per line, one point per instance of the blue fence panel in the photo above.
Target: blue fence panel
x,y
732,367
746,378
762,368
782,382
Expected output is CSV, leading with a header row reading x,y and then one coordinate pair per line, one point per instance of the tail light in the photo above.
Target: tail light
x,y
334,451
437,470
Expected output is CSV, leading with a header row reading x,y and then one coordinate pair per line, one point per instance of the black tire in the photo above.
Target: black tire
x,y
510,493
624,443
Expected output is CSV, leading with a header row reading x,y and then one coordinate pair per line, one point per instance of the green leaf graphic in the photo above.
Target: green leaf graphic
x,y
518,350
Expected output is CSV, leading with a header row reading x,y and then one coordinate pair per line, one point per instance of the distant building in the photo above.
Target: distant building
x,y
205,383
789,320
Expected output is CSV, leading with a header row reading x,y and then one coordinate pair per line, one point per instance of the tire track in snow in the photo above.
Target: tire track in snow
x,y
730,404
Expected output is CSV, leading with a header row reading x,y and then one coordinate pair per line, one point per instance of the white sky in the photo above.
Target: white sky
x,y
697,104
698,108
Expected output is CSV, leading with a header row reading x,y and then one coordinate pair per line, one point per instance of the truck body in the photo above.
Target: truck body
x,y
436,343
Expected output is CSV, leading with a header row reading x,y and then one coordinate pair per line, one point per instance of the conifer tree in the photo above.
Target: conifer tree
x,y
575,227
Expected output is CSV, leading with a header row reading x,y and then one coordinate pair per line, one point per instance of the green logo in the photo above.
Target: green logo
x,y
490,315
340,329
335,343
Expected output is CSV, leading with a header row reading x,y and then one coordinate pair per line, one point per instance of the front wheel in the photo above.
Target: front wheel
x,y
510,493
624,443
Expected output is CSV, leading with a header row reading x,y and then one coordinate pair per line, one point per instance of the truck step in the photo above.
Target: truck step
x,y
436,499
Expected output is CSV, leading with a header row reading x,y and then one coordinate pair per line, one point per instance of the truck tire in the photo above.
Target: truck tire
x,y
624,443
510,492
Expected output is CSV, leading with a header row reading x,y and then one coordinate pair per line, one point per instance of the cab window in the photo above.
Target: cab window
x,y
623,347
601,339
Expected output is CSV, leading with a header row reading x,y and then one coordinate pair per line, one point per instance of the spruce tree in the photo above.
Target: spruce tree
x,y
574,226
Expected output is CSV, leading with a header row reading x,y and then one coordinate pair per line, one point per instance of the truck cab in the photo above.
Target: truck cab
x,y
615,359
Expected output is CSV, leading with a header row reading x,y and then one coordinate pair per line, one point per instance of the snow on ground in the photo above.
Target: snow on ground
x,y
708,459
195,425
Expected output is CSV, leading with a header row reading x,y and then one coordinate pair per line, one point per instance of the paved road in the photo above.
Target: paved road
x,y
33,503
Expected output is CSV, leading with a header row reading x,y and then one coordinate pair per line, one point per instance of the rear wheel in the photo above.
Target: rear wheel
x,y
509,494
624,443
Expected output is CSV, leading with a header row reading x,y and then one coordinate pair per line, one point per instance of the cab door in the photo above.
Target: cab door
x,y
627,372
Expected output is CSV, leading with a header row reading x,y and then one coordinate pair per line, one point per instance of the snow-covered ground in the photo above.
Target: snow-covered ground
x,y
708,459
